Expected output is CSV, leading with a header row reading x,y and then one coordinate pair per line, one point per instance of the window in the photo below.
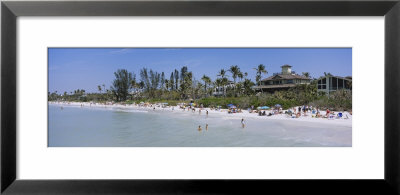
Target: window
x,y
334,83
321,83
340,83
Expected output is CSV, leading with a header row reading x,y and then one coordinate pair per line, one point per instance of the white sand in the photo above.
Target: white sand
x,y
223,113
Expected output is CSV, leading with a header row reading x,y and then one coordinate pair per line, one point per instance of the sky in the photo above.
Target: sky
x,y
86,68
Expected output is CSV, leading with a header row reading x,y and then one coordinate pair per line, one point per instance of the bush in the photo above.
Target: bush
x,y
339,100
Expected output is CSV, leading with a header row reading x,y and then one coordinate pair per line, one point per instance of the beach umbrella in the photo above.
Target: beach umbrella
x,y
278,105
229,105
263,108
233,106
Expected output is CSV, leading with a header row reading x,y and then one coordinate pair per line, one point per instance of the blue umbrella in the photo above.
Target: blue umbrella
x,y
229,105
278,105
233,106
263,108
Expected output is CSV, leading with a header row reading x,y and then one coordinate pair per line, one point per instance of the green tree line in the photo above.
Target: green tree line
x,y
181,86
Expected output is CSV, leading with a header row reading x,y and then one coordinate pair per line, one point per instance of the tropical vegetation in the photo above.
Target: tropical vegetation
x,y
181,86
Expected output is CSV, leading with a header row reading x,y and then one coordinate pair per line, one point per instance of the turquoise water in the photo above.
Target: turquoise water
x,y
118,127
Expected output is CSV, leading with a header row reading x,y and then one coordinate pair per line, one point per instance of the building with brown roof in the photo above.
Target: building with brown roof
x,y
282,81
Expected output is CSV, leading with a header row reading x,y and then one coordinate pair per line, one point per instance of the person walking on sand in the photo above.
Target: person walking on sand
x,y
207,112
243,123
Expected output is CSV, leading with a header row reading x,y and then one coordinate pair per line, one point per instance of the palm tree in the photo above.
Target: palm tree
x,y
235,70
206,80
224,82
218,83
306,74
240,76
99,88
222,73
260,70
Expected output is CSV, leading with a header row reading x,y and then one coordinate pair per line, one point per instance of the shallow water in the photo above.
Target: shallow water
x,y
119,127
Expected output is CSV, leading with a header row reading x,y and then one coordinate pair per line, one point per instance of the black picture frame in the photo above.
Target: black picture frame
x,y
11,10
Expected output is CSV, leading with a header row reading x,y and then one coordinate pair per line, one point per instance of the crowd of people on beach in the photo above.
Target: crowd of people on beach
x,y
315,112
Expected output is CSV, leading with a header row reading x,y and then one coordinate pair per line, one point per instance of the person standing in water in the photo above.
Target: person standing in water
x,y
206,127
243,123
199,129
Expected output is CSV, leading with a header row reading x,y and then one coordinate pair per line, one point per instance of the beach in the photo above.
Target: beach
x,y
221,112
163,126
